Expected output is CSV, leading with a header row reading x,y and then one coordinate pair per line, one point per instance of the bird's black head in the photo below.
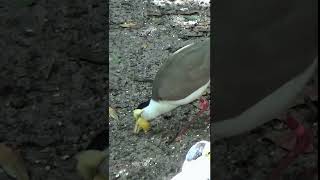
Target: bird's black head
x,y
143,105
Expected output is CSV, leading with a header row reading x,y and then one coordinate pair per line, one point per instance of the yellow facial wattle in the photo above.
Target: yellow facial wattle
x,y
137,113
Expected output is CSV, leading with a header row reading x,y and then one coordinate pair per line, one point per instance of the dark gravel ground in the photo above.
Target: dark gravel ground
x,y
53,86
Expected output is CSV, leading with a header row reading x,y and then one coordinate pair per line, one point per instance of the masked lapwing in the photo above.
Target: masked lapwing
x,y
260,69
182,78
265,53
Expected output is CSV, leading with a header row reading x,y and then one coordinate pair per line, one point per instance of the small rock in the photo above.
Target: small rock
x,y
59,123
65,157
47,168
84,137
29,32
47,149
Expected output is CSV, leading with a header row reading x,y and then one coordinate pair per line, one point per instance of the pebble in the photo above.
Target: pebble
x,y
37,161
85,137
65,157
47,168
59,123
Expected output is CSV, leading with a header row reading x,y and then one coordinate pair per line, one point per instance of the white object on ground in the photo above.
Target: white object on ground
x,y
197,163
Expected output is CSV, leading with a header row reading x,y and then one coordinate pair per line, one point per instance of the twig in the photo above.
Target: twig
x,y
155,13
50,67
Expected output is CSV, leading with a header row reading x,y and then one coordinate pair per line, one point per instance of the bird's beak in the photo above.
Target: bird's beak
x,y
137,113
141,123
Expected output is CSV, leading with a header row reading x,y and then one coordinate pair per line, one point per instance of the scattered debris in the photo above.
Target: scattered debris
x,y
128,25
113,114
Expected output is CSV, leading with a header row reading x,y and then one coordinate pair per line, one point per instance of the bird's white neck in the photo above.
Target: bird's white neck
x,y
155,109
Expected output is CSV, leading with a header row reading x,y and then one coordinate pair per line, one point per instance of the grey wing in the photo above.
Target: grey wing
x,y
183,74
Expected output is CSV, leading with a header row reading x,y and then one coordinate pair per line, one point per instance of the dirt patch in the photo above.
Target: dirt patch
x,y
53,86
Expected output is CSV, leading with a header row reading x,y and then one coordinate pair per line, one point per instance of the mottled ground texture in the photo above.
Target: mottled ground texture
x,y
52,88
142,35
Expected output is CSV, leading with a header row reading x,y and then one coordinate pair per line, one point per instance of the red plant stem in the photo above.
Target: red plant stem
x,y
184,130
304,139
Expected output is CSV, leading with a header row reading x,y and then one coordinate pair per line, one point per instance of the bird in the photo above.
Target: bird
x,y
264,54
92,162
197,163
182,79
264,109
261,64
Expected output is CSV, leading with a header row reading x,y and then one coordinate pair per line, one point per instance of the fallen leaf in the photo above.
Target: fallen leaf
x,y
144,46
192,18
12,163
128,25
113,114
